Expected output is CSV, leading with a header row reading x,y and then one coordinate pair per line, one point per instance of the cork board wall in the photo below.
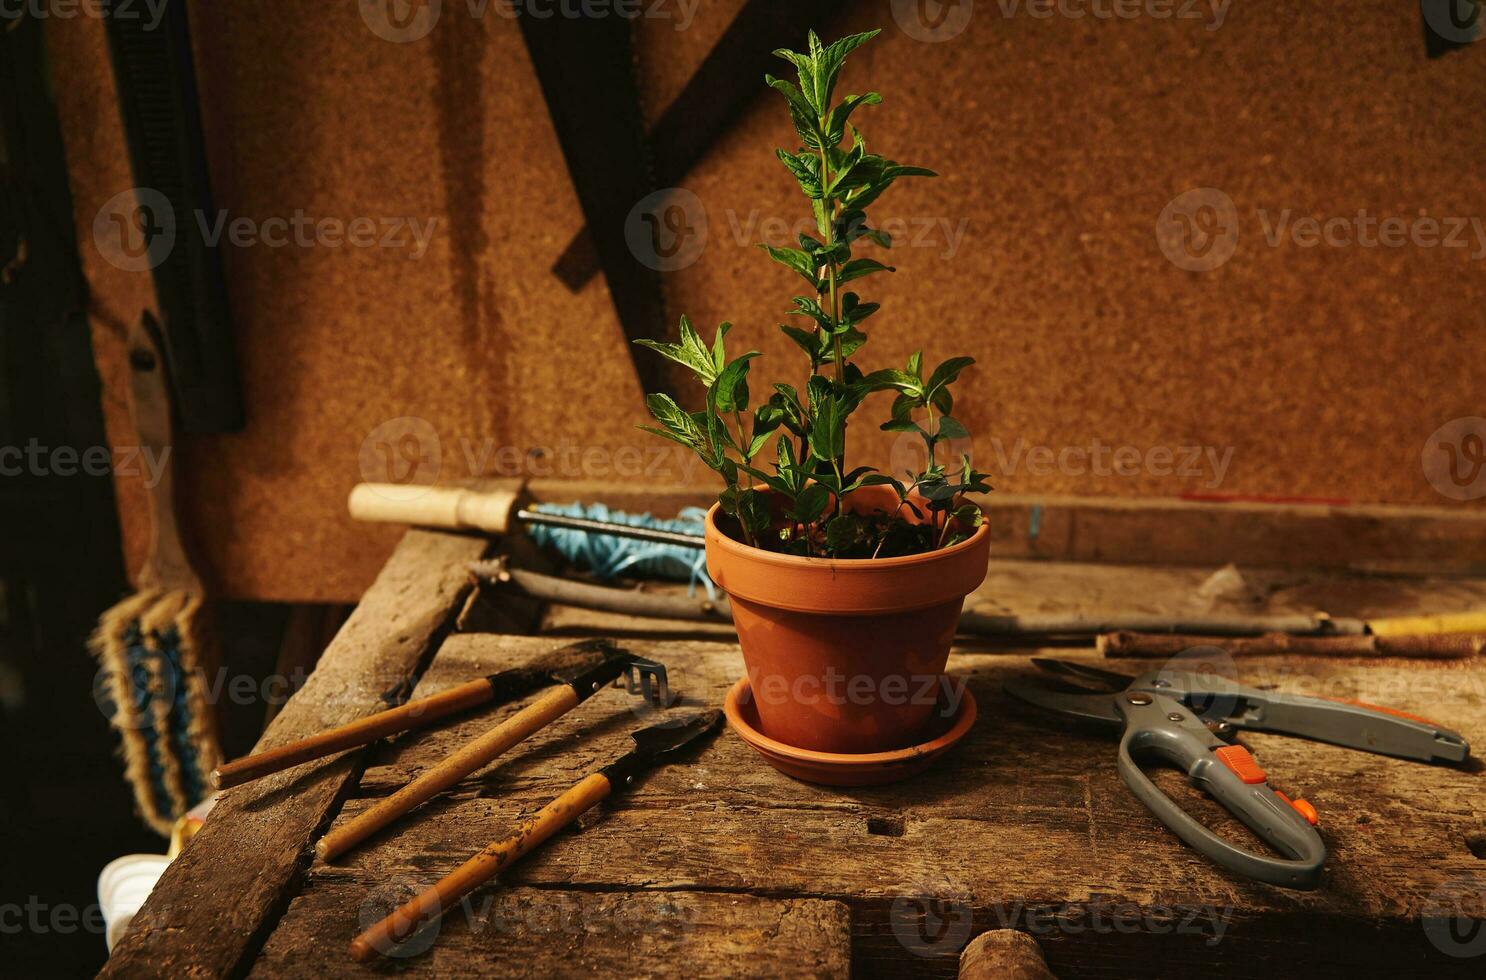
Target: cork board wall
x,y
1292,369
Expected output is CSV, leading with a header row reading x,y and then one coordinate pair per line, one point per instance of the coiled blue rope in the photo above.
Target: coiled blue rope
x,y
608,557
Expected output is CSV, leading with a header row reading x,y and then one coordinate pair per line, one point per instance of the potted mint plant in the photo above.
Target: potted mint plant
x,y
846,582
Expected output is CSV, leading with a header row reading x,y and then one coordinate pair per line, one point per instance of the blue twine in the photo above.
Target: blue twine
x,y
181,717
608,556
138,657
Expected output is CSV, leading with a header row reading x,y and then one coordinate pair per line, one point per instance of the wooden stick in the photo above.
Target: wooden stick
x,y
413,714
431,903
585,595
1439,646
1081,624
1003,954
451,770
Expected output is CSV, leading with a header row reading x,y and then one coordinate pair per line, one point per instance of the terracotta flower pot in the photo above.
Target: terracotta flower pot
x,y
846,655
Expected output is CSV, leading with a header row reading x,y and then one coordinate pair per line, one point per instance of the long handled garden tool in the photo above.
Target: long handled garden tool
x,y
645,678
654,746
152,647
403,715
490,512
508,511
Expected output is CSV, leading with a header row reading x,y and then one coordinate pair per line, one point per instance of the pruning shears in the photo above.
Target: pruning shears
x,y
1192,719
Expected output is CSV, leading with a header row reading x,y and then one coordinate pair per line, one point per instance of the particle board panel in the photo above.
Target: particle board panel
x,y
1294,371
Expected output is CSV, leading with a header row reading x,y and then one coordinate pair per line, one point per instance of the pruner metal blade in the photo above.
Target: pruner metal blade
x,y
1108,680
1095,707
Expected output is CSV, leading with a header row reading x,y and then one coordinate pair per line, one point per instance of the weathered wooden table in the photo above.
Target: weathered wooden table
x,y
724,867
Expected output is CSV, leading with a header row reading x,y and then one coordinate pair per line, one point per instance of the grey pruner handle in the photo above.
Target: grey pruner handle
x,y
1188,744
1357,725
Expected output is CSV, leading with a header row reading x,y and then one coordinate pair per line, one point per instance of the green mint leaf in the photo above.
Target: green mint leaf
x,y
800,261
857,268
951,429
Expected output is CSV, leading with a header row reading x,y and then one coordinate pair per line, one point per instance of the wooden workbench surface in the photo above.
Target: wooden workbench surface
x,y
722,866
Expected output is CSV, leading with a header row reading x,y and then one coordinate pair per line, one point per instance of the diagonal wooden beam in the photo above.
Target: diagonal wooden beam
x,y
729,78
586,68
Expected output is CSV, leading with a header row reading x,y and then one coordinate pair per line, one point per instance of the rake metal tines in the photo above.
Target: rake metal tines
x,y
648,679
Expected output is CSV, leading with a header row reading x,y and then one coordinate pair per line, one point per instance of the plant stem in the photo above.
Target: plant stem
x,y
932,460
742,451
829,233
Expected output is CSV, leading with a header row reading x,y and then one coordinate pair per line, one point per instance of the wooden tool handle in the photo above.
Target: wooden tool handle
x,y
401,924
450,508
1003,954
414,714
466,760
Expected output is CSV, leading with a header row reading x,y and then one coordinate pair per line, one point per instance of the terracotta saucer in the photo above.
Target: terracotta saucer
x,y
837,769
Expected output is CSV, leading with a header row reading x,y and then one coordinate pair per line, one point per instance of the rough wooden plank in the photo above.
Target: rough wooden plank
x,y
1025,821
1097,591
219,899
1159,529
538,932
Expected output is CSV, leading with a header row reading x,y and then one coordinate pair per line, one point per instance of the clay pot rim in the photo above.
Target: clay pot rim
x,y
727,542
964,721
